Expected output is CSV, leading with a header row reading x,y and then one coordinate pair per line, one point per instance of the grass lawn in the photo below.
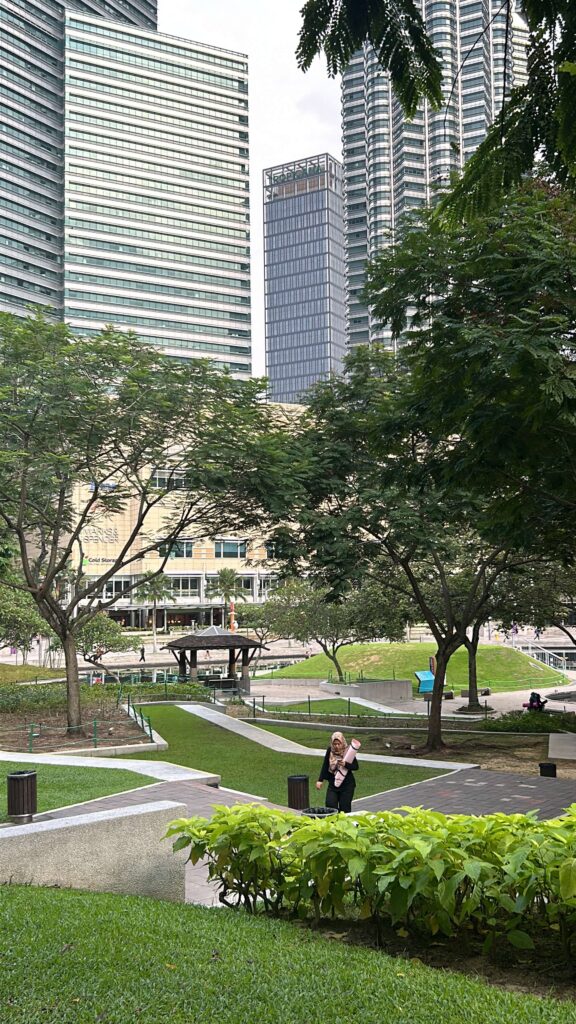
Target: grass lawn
x,y
254,769
78,958
60,786
28,673
501,668
332,706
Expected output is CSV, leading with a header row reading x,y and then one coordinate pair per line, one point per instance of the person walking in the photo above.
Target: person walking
x,y
339,797
142,653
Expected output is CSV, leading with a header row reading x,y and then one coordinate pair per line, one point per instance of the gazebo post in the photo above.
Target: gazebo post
x,y
245,670
194,665
231,663
182,664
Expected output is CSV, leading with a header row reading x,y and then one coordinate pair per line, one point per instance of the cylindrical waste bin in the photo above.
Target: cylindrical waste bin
x,y
319,812
21,796
298,792
548,769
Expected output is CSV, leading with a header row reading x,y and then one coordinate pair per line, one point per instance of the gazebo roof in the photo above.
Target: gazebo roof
x,y
212,639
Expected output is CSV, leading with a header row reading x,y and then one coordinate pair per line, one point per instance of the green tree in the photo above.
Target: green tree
x,y
20,621
491,355
94,428
226,584
154,589
257,618
303,612
536,119
100,636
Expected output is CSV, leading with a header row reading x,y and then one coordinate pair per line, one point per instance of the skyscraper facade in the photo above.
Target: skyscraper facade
x,y
304,281
392,165
125,159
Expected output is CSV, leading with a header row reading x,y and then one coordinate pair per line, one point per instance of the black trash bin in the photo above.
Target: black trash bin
x,y
298,792
319,812
548,769
22,802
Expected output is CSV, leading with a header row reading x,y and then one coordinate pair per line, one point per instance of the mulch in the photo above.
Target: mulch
x,y
51,732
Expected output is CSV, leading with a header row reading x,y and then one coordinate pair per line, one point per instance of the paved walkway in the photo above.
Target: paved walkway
x,y
479,792
243,728
562,747
162,770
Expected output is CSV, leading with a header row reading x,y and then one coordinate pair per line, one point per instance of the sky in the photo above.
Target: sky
x,y
292,114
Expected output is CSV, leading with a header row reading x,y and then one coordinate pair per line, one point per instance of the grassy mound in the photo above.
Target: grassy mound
x,y
500,668
251,768
28,673
77,958
59,786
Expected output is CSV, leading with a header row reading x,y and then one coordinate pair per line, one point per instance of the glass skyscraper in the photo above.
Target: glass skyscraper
x,y
304,282
392,165
125,193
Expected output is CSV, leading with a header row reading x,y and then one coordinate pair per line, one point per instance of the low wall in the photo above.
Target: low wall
x,y
380,690
118,851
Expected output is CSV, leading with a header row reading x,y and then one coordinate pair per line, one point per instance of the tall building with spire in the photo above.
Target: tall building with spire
x,y
124,156
392,165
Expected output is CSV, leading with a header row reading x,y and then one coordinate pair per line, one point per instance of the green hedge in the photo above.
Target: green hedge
x,y
24,699
532,722
485,879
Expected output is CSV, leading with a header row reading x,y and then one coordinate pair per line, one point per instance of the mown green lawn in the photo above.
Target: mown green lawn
x,y
332,706
81,958
501,668
247,766
28,673
59,786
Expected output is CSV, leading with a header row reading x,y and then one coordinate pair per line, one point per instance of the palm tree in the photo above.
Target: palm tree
x,y
226,584
154,587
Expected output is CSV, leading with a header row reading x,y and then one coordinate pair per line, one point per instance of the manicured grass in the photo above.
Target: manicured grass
x,y
333,706
501,668
254,769
28,673
59,786
311,737
79,958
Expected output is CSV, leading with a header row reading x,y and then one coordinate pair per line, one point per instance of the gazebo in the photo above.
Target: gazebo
x,y
185,651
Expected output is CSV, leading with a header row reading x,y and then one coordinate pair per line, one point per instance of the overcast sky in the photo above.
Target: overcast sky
x,y
292,114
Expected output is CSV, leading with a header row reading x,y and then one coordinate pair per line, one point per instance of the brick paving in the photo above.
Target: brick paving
x,y
479,792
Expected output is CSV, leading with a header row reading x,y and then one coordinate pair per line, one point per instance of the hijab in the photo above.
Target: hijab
x,y
337,750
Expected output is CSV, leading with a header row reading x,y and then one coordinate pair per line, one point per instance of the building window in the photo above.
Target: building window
x,y
185,586
230,549
116,587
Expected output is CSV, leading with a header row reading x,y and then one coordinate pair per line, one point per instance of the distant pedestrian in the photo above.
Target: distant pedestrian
x,y
537,633
142,653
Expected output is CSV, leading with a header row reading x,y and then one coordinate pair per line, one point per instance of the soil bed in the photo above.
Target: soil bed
x,y
513,970
113,728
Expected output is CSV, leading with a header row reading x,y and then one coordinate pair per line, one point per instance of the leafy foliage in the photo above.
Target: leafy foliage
x,y
533,722
484,879
395,30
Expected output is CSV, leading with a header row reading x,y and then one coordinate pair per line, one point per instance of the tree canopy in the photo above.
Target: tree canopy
x,y
103,428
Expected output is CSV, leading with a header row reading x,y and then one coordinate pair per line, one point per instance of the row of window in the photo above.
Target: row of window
x,y
27,211
33,250
23,172
148,252
159,271
17,97
21,228
165,204
169,153
180,70
159,44
28,193
170,325
11,261
105,89
162,185
16,282
186,586
13,58
163,289
188,139
46,38
188,345
25,137
38,124
32,158
166,307
131,77
153,218
185,240
202,125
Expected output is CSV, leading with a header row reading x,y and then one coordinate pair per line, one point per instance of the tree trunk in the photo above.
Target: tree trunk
x,y
336,664
72,684
472,648
154,635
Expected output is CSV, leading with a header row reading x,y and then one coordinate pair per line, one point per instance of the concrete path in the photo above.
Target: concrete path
x,y
164,771
285,746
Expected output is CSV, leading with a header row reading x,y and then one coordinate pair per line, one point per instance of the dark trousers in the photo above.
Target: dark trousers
x,y
341,798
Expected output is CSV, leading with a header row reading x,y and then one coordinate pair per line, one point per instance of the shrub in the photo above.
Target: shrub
x,y
533,722
482,879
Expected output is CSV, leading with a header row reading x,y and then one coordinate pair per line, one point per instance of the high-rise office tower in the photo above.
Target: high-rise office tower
x,y
125,191
304,282
392,165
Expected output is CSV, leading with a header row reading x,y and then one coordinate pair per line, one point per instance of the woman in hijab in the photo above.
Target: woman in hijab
x,y
339,797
